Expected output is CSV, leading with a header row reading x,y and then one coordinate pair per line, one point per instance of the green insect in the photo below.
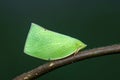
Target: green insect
x,y
48,45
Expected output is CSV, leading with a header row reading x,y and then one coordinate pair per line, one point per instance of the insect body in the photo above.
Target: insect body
x,y
48,45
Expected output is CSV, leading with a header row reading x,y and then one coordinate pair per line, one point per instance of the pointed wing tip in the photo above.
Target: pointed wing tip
x,y
36,25
84,45
33,24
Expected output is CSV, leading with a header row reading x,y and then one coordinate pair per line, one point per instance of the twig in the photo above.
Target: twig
x,y
45,68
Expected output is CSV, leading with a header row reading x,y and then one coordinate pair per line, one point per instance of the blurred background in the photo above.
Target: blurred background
x,y
95,22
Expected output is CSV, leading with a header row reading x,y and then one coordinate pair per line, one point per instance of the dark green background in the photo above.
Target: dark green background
x,y
96,22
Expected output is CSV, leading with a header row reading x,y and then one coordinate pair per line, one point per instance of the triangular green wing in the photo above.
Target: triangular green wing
x,y
48,45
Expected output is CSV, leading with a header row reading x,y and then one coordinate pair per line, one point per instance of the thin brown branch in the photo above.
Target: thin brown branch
x,y
45,68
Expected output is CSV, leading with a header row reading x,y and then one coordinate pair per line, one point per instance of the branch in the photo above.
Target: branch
x,y
45,68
